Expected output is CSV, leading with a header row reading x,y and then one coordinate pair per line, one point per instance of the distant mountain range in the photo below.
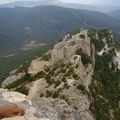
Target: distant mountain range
x,y
96,7
43,24
46,24
115,14
30,3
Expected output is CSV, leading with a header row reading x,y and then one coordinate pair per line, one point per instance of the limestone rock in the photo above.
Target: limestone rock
x,y
37,66
73,105
38,87
11,79
48,108
66,49
117,59
22,101
24,118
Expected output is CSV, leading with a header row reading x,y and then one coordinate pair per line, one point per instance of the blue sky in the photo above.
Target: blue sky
x,y
76,1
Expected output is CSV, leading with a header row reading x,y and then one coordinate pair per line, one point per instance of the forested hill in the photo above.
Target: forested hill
x,y
46,24
115,13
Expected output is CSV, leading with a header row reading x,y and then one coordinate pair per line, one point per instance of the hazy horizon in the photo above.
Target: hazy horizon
x,y
72,1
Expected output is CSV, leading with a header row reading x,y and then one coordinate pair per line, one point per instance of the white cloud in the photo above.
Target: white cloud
x,y
9,1
75,1
94,1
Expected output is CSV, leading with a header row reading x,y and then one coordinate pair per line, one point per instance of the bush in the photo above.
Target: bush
x,y
39,75
64,79
63,97
41,95
46,57
66,86
50,81
76,77
62,70
76,66
22,89
82,88
48,94
84,57
49,75
23,68
70,71
55,94
26,78
57,83
47,69
99,44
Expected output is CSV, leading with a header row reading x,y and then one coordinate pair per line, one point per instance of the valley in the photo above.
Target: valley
x,y
47,24
11,62
24,31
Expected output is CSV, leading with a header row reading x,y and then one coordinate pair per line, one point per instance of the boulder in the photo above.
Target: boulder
x,y
37,66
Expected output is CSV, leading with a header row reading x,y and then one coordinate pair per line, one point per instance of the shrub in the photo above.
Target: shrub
x,y
69,64
49,75
61,64
79,51
50,81
57,83
64,79
76,66
23,68
39,75
41,95
55,94
70,71
26,78
82,88
47,69
99,44
76,77
48,94
22,89
63,97
46,57
66,86
84,57
62,70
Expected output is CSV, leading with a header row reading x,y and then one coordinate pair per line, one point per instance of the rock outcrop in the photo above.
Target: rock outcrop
x,y
48,108
66,49
37,66
60,83
38,87
70,82
12,78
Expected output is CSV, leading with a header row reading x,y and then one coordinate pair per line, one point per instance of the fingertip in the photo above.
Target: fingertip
x,y
22,112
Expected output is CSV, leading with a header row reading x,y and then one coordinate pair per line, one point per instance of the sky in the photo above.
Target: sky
x,y
75,1
94,1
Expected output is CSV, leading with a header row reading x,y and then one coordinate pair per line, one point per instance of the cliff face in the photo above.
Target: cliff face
x,y
66,49
67,82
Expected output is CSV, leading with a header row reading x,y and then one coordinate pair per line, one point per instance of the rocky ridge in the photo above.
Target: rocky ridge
x,y
66,82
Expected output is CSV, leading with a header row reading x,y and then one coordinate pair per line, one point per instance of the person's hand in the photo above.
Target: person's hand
x,y
11,110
